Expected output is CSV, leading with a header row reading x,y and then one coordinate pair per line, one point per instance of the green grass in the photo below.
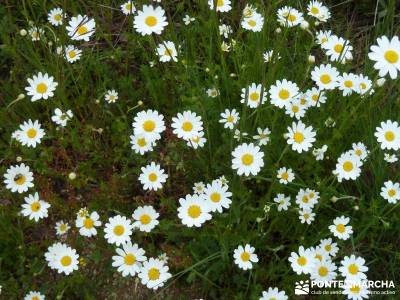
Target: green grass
x,y
107,169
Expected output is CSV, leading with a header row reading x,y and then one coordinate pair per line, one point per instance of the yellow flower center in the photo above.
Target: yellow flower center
x,y
63,227
353,269
128,6
314,10
392,56
348,83
389,136
315,97
363,85
145,219
88,223
153,177
323,271
220,3
194,211
35,206
72,54
358,152
187,126
306,216
338,48
305,199
149,125
252,23
168,52
302,261
31,133
35,298
324,40
295,109
392,192
291,18
66,261
340,228
328,248
355,289
254,96
285,176
284,94
119,230
348,166
41,88
82,30
215,197
298,137
129,259
247,159
19,179
57,17
141,142
153,274
151,21
245,256
325,78
230,119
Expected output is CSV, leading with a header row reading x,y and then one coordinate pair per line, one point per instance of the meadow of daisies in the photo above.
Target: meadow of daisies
x,y
214,149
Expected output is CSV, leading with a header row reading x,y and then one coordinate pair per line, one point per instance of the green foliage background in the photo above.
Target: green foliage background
x,y
95,145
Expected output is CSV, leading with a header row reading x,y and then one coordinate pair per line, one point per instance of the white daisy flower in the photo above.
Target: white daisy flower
x,y
319,153
360,150
356,290
263,136
62,258
145,218
315,97
353,268
33,295
150,123
391,191
55,16
325,76
285,175
221,5
300,137
36,33
289,16
254,95
340,229
118,230
338,49
142,143
34,208
245,257
348,167
61,118
229,118
72,54
348,83
390,157
329,247
62,227
283,202
166,51
152,177
303,261
81,28
282,92
323,270
253,23
87,223
388,135
128,260
193,210
18,178
199,187
386,56
154,273
41,86
187,125
111,96
30,133
273,294
217,196
150,20
306,216
128,8
247,159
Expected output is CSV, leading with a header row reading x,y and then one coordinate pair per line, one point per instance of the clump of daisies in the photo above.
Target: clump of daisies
x,y
251,19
